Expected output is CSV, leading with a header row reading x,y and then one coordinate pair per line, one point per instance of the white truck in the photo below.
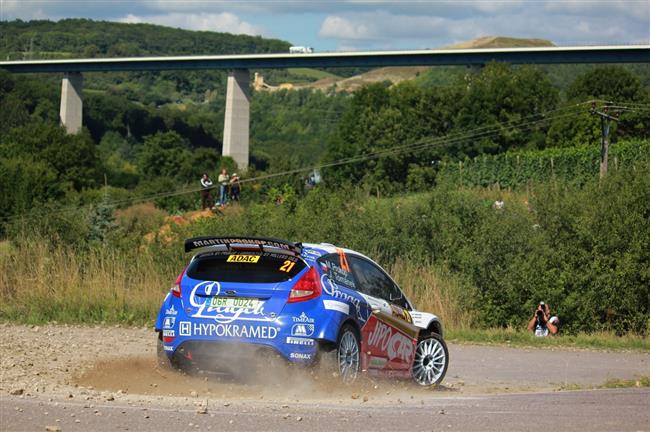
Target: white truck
x,y
300,50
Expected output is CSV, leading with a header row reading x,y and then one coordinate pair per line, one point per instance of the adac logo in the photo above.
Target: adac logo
x,y
303,318
253,259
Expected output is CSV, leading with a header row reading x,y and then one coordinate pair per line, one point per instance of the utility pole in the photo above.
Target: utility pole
x,y
605,123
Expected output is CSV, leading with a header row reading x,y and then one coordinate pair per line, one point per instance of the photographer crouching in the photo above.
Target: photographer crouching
x,y
542,323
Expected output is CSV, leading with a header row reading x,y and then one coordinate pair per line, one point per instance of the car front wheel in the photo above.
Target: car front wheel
x,y
431,360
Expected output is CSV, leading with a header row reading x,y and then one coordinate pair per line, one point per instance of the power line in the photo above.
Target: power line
x,y
418,145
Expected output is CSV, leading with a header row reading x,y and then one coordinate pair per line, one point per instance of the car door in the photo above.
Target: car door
x,y
389,336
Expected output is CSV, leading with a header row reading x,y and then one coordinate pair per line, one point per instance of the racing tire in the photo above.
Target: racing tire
x,y
431,360
348,354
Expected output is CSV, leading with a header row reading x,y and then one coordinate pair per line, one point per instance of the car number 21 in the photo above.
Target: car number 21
x,y
287,266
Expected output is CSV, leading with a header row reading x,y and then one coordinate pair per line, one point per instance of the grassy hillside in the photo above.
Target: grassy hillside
x,y
432,76
86,38
501,42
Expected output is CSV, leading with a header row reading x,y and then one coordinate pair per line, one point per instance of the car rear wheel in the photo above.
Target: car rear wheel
x,y
431,360
348,354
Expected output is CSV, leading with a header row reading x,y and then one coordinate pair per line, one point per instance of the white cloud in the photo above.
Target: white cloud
x,y
219,22
564,26
345,29
371,24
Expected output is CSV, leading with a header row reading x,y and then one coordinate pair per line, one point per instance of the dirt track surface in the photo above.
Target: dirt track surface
x,y
106,378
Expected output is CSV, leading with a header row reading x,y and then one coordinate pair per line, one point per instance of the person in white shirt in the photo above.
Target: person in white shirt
x,y
542,323
224,180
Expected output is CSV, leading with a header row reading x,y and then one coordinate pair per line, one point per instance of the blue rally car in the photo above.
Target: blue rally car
x,y
241,297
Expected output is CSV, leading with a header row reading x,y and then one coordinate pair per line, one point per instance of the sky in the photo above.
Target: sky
x,y
344,25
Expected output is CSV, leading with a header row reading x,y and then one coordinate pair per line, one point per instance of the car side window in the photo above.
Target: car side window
x,y
337,271
372,280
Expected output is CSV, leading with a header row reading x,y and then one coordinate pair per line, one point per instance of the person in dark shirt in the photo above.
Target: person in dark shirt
x,y
206,197
235,187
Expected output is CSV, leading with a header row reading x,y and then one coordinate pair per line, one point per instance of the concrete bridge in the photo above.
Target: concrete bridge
x,y
237,115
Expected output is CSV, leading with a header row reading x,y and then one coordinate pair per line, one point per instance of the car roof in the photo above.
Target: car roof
x,y
328,248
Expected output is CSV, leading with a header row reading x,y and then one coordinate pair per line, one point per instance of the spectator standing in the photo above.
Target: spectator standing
x,y
235,187
206,197
224,180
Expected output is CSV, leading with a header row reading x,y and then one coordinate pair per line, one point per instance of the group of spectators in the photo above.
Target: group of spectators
x,y
229,189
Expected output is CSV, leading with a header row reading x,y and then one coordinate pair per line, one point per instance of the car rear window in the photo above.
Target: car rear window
x,y
250,267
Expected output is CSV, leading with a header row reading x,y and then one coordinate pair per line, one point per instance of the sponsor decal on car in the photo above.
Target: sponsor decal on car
x,y
330,288
378,362
337,306
220,313
168,348
168,336
214,241
300,341
187,328
168,323
305,330
303,318
253,259
391,342
300,356
312,253
398,312
171,311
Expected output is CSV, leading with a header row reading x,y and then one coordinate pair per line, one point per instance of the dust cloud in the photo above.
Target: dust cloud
x,y
267,379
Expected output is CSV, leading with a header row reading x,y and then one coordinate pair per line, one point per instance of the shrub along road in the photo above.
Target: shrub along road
x,y
81,378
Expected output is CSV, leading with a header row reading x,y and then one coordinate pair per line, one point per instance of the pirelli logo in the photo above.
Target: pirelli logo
x,y
243,258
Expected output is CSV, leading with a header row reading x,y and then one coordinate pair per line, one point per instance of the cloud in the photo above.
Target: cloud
x,y
562,25
370,24
219,22
345,29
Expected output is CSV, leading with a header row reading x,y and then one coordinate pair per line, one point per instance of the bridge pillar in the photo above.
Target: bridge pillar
x,y
71,102
237,117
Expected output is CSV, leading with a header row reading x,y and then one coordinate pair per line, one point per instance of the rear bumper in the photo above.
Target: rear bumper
x,y
213,345
232,358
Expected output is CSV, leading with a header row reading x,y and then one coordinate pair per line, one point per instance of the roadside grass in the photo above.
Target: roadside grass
x,y
613,383
644,381
443,294
41,283
523,338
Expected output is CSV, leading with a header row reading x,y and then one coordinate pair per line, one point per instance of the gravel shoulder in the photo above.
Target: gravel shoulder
x,y
100,363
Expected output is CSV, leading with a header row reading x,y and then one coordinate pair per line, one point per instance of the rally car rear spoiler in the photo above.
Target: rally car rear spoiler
x,y
261,242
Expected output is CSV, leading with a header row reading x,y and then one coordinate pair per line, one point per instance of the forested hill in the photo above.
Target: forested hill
x,y
75,38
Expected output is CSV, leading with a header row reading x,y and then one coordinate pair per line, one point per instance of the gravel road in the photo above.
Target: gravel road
x,y
105,378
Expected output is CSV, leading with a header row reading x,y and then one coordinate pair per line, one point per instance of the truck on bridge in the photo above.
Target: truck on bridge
x,y
300,50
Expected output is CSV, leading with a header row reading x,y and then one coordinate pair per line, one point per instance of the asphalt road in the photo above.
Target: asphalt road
x,y
597,410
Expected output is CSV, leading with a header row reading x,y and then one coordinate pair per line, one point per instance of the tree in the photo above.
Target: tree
x,y
499,99
162,155
613,83
73,157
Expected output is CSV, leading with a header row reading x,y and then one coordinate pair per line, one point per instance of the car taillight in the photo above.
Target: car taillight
x,y
307,288
176,289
